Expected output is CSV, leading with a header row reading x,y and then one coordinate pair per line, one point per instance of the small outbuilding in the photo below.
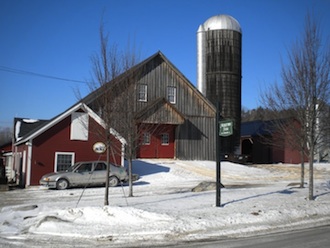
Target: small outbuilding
x,y
262,143
44,146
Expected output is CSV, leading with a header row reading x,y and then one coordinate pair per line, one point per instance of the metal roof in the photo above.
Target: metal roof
x,y
222,22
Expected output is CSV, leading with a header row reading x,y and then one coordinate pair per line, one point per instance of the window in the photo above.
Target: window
x,y
63,160
165,139
146,138
85,167
171,94
79,126
142,92
100,167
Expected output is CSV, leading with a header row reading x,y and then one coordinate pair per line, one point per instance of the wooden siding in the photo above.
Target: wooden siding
x,y
57,139
195,137
161,112
188,100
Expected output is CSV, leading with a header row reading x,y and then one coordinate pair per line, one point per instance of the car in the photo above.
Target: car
x,y
89,173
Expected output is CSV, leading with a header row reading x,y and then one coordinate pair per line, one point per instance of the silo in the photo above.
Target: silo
x,y
219,71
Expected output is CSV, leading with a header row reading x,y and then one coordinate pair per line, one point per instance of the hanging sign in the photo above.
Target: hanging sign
x,y
99,147
225,128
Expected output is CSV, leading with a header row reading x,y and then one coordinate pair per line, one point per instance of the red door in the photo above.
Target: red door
x,y
157,142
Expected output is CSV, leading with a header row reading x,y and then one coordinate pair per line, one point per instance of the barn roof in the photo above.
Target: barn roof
x,y
256,128
25,126
27,129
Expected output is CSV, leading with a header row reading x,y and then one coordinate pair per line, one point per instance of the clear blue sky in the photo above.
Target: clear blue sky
x,y
57,37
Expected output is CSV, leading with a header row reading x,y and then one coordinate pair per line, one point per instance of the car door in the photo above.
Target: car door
x,y
99,173
82,174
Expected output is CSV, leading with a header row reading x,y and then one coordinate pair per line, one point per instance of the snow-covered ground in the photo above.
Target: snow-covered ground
x,y
164,209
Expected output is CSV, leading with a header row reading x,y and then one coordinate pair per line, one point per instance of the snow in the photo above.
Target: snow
x,y
30,120
164,210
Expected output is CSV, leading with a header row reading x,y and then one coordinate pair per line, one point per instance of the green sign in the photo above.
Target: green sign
x,y
226,128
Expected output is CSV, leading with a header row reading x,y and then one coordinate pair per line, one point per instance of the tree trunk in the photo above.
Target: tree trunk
x,y
106,195
130,175
302,176
311,174
302,173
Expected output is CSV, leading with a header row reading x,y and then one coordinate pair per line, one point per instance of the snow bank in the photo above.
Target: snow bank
x,y
164,210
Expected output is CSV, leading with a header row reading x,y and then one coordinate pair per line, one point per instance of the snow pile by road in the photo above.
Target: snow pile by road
x,y
165,210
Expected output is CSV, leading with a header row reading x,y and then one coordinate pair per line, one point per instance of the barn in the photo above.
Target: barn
x,y
262,143
173,119
44,146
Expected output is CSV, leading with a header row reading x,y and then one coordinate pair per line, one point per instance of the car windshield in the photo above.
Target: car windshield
x,y
73,167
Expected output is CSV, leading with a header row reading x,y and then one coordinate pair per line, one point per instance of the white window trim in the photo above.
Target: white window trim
x,y
145,99
174,94
63,153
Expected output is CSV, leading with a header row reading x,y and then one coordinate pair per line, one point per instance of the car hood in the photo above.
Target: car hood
x,y
54,174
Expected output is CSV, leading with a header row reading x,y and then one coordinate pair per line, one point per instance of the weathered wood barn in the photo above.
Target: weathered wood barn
x,y
173,119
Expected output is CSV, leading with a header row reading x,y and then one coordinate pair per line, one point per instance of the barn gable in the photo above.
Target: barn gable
x,y
160,93
160,111
56,144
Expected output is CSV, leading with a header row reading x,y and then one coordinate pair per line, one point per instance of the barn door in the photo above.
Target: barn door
x,y
159,143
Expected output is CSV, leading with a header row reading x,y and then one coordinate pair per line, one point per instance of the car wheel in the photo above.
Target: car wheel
x,y
113,181
62,184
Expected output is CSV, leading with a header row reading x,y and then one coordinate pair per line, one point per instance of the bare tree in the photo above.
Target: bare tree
x,y
304,95
114,98
5,135
105,67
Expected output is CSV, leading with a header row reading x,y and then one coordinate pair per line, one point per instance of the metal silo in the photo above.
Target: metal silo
x,y
219,71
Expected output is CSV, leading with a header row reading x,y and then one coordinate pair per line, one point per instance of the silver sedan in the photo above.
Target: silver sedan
x,y
89,173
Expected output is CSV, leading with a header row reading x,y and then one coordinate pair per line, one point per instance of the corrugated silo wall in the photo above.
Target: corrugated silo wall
x,y
223,80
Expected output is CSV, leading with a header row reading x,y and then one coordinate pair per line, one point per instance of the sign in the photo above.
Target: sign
x,y
225,128
99,147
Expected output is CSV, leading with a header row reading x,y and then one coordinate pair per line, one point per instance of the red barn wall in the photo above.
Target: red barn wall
x,y
155,149
57,139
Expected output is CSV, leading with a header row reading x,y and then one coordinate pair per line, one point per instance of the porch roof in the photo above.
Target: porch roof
x,y
160,111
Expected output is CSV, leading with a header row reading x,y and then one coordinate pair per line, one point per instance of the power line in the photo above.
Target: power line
x,y
29,73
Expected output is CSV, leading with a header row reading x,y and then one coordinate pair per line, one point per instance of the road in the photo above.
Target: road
x,y
317,237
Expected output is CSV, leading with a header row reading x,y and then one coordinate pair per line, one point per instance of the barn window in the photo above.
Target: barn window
x,y
63,160
146,138
79,126
165,139
171,94
143,92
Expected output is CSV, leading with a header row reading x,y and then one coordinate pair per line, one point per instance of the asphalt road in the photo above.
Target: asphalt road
x,y
318,237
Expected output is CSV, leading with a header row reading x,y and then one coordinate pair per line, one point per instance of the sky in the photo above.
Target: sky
x,y
46,46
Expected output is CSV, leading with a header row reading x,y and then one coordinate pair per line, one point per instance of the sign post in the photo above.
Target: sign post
x,y
218,157
224,128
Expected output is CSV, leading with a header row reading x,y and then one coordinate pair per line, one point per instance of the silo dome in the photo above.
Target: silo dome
x,y
222,22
